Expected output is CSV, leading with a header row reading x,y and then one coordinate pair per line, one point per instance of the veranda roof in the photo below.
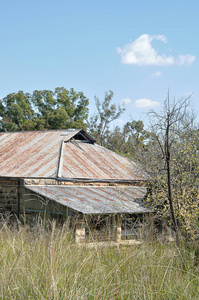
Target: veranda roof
x,y
95,199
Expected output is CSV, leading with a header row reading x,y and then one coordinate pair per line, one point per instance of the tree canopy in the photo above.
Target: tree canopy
x,y
43,109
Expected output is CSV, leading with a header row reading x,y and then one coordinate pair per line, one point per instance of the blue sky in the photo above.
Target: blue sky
x,y
138,49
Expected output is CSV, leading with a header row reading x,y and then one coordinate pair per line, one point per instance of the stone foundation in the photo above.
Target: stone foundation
x,y
9,196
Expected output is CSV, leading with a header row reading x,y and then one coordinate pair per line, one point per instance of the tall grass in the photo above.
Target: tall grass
x,y
40,264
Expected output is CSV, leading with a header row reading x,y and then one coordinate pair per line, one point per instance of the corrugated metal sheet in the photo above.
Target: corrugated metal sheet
x,y
36,154
29,154
82,160
95,199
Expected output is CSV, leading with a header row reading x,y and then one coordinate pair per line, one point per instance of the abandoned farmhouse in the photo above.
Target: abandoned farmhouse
x,y
64,174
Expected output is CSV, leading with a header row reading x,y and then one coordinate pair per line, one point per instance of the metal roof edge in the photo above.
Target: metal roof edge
x,y
139,182
71,132
101,180
27,131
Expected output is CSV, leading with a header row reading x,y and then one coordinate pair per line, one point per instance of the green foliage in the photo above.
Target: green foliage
x,y
106,113
43,110
130,140
36,264
16,112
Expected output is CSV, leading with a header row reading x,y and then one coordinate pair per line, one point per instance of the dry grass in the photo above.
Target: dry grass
x,y
40,264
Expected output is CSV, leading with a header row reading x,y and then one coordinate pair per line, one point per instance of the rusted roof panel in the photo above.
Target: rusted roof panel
x,y
37,154
29,154
84,160
95,199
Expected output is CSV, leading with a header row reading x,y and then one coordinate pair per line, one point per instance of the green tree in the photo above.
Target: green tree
x,y
129,140
43,110
106,113
16,112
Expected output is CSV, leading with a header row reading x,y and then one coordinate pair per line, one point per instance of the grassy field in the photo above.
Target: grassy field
x,y
40,264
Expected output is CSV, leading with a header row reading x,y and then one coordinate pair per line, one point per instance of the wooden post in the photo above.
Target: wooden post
x,y
18,199
117,228
80,230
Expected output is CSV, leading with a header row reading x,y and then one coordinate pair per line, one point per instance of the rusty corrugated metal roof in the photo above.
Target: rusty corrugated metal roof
x,y
84,160
37,154
30,153
95,199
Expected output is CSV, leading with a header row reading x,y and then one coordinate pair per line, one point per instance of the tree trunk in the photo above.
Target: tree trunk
x,y
167,154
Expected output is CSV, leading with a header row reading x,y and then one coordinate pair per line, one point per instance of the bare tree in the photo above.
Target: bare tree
x,y
175,172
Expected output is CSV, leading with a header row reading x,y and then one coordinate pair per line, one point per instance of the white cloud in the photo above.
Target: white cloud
x,y
125,101
157,74
185,59
146,103
140,52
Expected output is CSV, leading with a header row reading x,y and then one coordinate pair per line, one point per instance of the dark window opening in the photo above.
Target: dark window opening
x,y
80,136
